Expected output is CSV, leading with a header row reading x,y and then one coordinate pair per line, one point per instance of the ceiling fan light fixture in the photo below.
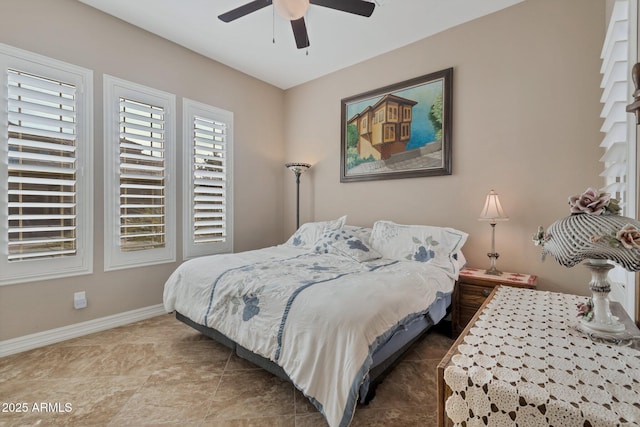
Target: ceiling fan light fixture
x,y
291,9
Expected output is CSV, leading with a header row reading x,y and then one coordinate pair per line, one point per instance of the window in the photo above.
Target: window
x,y
45,163
208,195
139,151
406,113
389,132
405,131
617,122
619,53
392,114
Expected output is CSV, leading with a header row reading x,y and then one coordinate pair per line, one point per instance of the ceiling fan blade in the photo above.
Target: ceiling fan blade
x,y
243,10
300,33
358,7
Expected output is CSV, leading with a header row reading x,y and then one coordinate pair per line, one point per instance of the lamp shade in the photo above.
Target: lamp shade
x,y
596,233
584,236
291,9
492,210
298,168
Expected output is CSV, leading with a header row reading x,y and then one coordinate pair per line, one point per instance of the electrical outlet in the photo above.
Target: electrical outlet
x,y
79,300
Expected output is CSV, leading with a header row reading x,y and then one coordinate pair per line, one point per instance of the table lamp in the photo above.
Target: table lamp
x,y
596,233
493,213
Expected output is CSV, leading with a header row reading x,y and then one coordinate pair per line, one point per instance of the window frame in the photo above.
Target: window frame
x,y
620,143
114,259
81,263
191,109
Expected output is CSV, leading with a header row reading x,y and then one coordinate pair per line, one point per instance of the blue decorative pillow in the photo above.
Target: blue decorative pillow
x,y
362,233
345,243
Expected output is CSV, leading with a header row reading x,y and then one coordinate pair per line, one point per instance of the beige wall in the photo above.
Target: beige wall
x,y
526,123
70,31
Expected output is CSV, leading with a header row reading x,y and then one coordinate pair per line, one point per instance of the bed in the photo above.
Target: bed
x,y
331,310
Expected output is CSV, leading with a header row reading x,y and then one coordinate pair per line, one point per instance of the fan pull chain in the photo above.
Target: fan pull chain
x,y
273,25
307,53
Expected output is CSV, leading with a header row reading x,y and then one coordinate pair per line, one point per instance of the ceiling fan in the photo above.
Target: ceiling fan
x,y
294,11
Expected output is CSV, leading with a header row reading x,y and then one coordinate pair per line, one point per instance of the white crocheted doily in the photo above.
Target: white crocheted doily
x,y
524,364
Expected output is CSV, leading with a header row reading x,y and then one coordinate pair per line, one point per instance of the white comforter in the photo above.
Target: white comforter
x,y
319,317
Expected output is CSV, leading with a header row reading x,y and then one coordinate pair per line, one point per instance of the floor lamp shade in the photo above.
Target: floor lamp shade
x,y
298,169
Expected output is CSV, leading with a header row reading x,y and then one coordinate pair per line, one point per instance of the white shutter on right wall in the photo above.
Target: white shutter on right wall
x,y
615,86
619,129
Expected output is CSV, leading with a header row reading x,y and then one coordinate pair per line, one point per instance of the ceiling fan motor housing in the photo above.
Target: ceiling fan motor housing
x,y
291,9
294,11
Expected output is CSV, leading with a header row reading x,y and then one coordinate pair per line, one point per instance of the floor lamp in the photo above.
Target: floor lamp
x,y
298,169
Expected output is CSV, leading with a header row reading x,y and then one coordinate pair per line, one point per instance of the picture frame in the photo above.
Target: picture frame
x,y
398,131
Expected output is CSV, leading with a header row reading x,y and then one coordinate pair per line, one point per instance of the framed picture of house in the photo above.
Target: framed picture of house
x,y
398,131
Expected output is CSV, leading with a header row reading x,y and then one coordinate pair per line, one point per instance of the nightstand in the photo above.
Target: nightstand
x,y
474,286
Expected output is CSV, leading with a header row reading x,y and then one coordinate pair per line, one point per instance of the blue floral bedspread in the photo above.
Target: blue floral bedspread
x,y
251,303
318,316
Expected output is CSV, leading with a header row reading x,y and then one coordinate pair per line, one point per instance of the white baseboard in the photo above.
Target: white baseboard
x,y
52,336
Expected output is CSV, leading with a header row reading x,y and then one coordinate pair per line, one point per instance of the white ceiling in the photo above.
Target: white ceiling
x,y
337,39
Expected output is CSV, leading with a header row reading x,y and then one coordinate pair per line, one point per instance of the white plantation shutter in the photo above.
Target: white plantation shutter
x,y
139,168
615,92
41,167
209,181
142,175
45,136
619,142
207,153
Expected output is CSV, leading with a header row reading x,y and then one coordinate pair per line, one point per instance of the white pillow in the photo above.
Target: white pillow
x,y
460,259
310,232
423,243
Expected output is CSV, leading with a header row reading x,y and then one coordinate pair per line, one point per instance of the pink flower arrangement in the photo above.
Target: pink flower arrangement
x,y
629,236
591,202
585,310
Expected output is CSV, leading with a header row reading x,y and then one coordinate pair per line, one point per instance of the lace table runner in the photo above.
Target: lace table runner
x,y
523,364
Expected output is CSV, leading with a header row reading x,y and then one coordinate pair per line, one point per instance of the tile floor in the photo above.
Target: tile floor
x,y
161,372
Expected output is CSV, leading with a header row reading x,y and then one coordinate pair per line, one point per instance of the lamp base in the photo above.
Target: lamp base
x,y
592,327
493,271
602,321
493,256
